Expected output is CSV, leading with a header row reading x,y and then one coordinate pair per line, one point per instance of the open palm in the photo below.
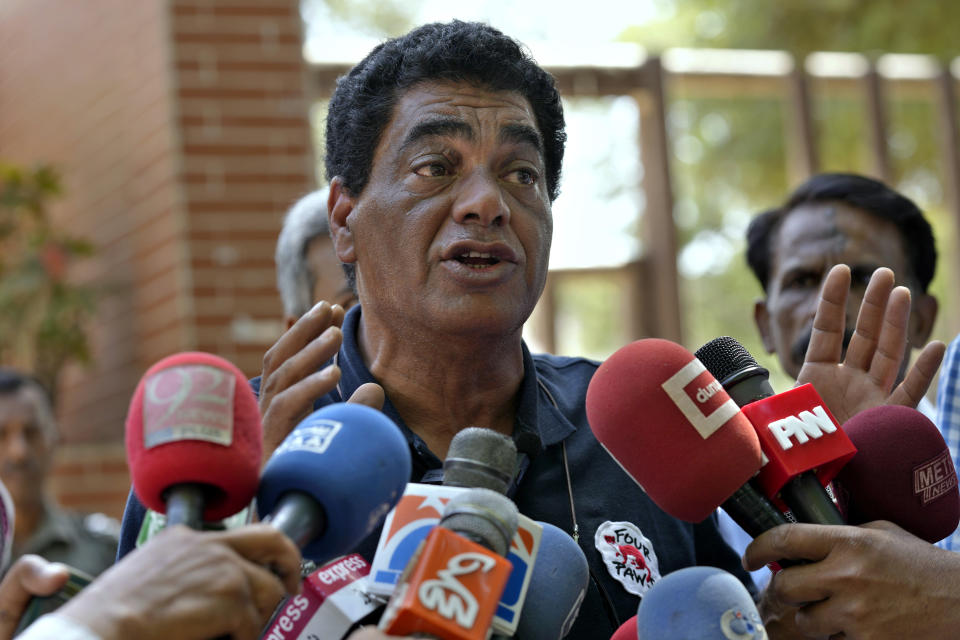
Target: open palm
x,y
866,375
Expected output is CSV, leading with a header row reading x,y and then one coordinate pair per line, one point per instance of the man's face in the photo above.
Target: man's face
x,y
453,228
811,239
25,449
329,281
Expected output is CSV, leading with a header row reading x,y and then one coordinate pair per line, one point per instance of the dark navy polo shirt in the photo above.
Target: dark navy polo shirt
x,y
551,410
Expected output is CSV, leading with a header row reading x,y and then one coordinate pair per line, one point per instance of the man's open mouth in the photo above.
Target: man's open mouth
x,y
477,259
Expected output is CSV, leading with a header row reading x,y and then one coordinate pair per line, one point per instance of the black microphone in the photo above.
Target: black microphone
x,y
796,471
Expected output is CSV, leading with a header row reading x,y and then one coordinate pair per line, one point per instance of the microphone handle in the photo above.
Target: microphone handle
x,y
185,505
809,501
752,511
299,516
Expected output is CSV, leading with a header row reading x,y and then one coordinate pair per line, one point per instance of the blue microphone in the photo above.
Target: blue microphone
x,y
558,585
699,603
334,478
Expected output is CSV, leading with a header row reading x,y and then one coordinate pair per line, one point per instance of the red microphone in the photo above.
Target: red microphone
x,y
803,443
902,472
671,426
194,439
626,631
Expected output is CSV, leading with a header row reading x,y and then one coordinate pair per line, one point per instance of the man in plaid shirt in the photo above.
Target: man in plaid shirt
x,y
948,416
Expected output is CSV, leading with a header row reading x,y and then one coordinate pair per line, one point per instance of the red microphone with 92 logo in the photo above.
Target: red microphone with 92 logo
x,y
194,439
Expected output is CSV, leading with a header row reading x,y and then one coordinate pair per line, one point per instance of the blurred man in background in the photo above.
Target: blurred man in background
x,y
28,438
308,269
838,218
835,218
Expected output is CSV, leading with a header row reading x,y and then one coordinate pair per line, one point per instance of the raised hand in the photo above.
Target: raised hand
x,y
865,377
191,585
29,576
292,377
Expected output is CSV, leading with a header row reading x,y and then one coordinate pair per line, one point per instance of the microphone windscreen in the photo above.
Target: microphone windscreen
x,y
7,519
626,631
484,516
671,426
558,585
480,458
699,603
902,472
194,419
352,460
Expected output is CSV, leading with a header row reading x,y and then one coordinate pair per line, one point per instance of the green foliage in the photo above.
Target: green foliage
x,y
721,180
803,26
42,314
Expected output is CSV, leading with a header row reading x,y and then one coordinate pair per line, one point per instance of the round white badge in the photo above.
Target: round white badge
x,y
628,556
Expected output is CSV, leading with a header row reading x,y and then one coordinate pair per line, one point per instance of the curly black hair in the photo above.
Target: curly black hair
x,y
457,51
858,191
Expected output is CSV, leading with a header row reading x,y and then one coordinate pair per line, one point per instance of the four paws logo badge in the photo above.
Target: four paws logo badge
x,y
628,556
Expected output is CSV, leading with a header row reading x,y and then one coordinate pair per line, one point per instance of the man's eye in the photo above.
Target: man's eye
x,y
523,176
803,281
432,170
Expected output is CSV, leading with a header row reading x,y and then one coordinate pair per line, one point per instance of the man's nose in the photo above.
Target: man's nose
x,y
480,200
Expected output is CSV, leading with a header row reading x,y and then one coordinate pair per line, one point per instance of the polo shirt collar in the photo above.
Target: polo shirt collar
x,y
539,422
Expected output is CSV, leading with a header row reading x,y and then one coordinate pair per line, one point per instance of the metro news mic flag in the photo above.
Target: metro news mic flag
x,y
194,439
902,472
671,426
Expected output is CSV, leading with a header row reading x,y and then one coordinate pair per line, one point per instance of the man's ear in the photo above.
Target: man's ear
x,y
761,316
923,313
340,205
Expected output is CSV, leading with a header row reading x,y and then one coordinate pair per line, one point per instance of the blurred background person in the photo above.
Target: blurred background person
x,y
308,269
838,218
834,218
28,439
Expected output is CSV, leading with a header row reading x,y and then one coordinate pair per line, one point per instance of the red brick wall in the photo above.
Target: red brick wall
x,y
247,156
181,131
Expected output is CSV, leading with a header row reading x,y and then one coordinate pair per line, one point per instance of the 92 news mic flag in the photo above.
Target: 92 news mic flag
x,y
194,439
